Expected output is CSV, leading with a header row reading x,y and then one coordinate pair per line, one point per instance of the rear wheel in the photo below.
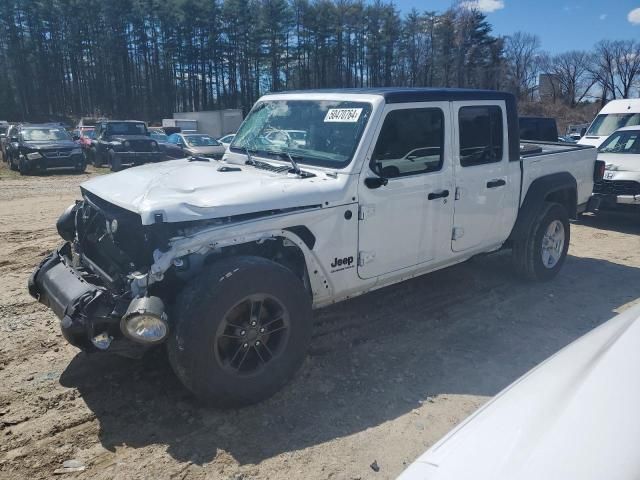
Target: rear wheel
x,y
242,330
12,164
540,254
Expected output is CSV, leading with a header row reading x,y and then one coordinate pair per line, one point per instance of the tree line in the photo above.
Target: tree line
x,y
148,58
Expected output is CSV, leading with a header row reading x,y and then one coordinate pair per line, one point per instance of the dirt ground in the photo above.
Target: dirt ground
x,y
389,373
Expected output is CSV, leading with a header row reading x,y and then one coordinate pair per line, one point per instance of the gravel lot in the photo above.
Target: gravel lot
x,y
389,373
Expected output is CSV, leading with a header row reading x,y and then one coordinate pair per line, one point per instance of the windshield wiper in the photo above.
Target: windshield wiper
x,y
295,168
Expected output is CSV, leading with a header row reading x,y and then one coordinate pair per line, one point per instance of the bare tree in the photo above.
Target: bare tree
x,y
523,61
572,72
616,67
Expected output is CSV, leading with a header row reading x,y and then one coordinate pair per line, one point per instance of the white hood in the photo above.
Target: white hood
x,y
593,140
623,162
182,190
574,417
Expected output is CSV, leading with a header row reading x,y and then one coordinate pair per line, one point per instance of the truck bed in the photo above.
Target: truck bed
x,y
543,158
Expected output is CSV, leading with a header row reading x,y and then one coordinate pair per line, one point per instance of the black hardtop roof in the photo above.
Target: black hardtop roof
x,y
407,95
122,121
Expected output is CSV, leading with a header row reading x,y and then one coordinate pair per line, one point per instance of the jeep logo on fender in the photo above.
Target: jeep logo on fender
x,y
340,264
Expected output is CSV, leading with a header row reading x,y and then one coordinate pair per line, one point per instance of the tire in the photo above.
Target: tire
x,y
530,261
82,167
115,162
23,167
94,158
12,164
202,336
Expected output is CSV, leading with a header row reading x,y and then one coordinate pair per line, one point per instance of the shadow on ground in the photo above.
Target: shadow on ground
x,y
621,220
470,329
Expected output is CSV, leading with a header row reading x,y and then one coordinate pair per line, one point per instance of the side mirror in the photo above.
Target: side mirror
x,y
375,182
76,138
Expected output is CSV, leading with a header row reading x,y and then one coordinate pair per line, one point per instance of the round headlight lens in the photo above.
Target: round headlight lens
x,y
146,328
126,144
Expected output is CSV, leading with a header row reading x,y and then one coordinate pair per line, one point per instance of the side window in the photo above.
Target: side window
x,y
410,142
173,138
481,135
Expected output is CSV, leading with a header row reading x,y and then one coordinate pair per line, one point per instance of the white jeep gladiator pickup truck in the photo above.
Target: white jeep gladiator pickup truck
x,y
225,260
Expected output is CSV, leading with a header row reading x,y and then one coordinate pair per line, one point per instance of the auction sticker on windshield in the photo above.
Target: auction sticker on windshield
x,y
350,115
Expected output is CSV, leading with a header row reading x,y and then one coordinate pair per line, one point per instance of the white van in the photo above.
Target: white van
x,y
615,114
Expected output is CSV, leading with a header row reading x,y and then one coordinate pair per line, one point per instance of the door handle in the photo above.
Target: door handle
x,y
442,194
496,183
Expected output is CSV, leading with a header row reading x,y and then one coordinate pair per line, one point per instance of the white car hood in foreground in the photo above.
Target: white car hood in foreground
x,y
182,190
574,417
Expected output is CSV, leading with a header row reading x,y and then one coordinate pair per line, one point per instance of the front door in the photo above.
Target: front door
x,y
486,182
403,222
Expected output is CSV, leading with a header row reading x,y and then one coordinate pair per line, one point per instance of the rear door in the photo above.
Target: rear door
x,y
487,188
403,222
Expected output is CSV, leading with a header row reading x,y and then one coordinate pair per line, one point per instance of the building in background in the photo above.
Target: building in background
x,y
549,87
214,122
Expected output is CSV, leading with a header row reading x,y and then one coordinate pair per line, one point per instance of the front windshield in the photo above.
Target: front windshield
x,y
332,130
622,142
89,133
200,141
45,134
126,128
606,124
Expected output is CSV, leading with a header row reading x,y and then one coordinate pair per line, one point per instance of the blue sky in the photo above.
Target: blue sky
x,y
561,25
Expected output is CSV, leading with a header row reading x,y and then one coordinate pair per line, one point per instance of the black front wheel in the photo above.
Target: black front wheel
x,y
242,330
115,162
23,166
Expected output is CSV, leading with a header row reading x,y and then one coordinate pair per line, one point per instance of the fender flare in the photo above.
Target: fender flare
x,y
320,283
537,193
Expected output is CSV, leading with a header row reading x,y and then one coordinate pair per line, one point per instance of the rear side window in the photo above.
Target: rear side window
x,y
481,135
411,142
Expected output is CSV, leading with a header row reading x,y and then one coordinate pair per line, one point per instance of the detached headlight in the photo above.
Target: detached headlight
x,y
76,151
145,321
34,156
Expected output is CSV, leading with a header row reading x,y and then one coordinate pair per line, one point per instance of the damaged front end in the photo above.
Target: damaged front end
x,y
93,281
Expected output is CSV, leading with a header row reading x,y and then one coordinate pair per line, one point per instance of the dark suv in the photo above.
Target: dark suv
x,y
43,147
123,142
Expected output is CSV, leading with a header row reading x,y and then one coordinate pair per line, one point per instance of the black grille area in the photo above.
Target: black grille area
x,y
56,153
617,187
140,146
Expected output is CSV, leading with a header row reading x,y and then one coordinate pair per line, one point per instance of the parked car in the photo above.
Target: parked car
x,y
5,132
123,142
224,260
181,145
158,134
10,144
286,137
613,116
84,136
574,416
37,148
227,139
621,183
543,129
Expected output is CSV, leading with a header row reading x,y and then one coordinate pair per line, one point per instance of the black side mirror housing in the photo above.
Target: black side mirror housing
x,y
375,182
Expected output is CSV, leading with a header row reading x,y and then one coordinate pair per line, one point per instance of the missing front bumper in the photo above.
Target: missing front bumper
x,y
86,310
